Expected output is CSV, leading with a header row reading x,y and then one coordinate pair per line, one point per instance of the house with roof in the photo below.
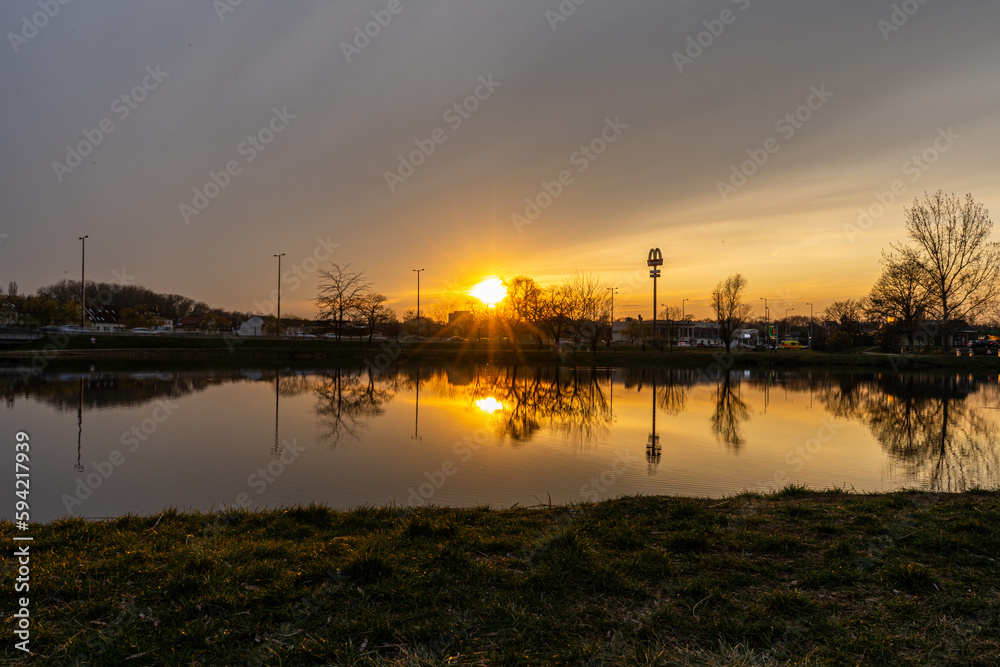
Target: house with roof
x,y
104,319
190,323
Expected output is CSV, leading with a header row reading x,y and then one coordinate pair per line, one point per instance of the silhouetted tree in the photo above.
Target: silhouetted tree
x,y
951,243
731,309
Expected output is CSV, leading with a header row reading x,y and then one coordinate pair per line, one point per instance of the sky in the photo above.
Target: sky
x,y
191,141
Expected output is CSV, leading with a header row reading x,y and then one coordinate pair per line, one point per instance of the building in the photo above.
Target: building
x,y
190,323
252,327
104,319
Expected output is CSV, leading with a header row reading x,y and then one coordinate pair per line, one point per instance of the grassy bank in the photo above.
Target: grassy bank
x,y
791,578
218,349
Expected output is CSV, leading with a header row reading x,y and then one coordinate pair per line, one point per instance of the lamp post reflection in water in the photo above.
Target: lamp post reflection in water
x,y
277,393
416,403
653,442
79,428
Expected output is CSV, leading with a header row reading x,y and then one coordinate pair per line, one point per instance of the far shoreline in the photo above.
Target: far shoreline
x,y
57,350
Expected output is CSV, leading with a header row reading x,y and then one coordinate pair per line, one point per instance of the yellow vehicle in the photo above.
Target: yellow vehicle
x,y
792,345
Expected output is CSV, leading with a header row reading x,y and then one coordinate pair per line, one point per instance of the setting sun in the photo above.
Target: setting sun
x,y
490,291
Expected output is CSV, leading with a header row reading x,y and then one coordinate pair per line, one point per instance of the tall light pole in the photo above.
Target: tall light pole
x,y
277,331
654,261
810,325
83,281
612,290
417,271
683,312
767,322
787,310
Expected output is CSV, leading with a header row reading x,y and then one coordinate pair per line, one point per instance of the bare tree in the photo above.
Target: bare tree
x,y
340,294
731,309
590,308
900,296
12,288
373,312
522,307
846,318
670,316
953,247
557,311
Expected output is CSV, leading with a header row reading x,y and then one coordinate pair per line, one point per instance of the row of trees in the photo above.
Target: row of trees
x,y
945,274
346,298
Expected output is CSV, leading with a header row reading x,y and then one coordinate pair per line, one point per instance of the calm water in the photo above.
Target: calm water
x,y
106,443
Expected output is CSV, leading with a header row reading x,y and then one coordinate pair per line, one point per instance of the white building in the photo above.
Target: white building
x,y
252,327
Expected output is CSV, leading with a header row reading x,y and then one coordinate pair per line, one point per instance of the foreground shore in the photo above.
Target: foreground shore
x,y
795,577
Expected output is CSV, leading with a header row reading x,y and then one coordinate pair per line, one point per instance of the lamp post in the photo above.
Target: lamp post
x,y
683,312
417,271
613,290
787,310
83,281
810,325
654,261
277,329
767,321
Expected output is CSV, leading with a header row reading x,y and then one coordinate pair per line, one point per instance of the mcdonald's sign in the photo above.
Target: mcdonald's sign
x,y
655,257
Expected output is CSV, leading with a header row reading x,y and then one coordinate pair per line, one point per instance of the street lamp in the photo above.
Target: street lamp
x,y
767,321
277,330
613,290
810,325
83,281
654,260
683,301
417,271
787,310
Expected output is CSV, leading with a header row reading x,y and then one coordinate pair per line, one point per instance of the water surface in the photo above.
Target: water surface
x,y
107,443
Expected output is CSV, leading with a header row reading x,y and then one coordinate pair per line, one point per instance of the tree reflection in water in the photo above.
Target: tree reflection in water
x,y
347,399
938,430
572,402
730,413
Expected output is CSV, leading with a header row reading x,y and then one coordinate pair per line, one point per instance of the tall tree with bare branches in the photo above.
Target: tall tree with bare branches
x,y
340,294
900,296
951,243
731,309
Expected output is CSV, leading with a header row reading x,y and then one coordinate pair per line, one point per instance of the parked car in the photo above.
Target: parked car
x,y
984,346
791,345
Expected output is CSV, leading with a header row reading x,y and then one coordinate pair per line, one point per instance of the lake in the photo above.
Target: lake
x,y
107,442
